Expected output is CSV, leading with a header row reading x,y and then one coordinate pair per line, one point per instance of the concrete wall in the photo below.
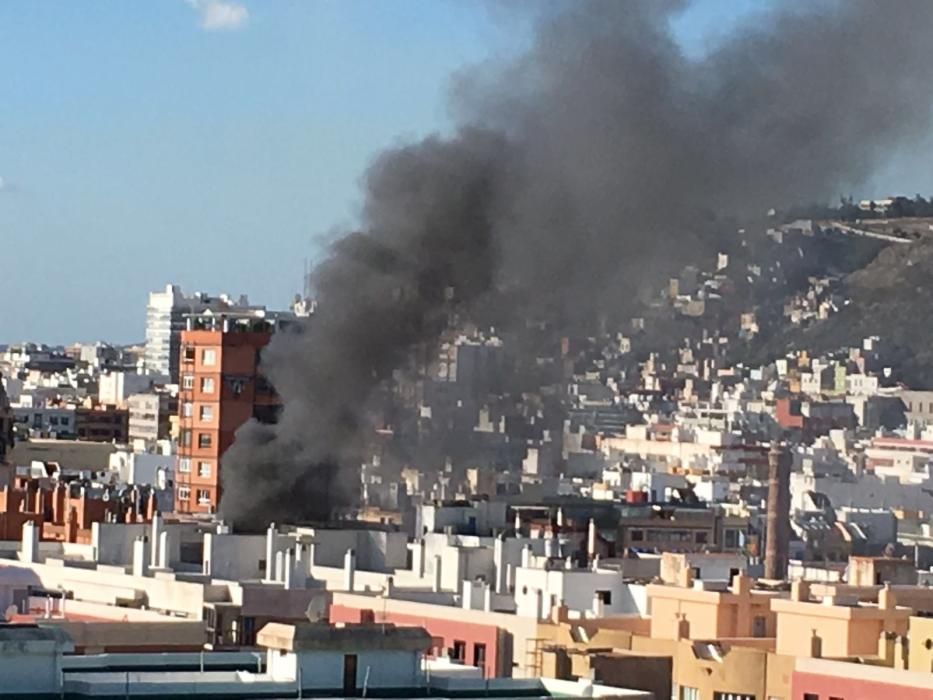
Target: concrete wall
x,y
29,668
920,651
639,672
868,491
238,557
323,670
101,637
276,602
739,670
708,615
113,542
376,550
113,586
9,549
576,589
94,456
381,550
711,567
842,630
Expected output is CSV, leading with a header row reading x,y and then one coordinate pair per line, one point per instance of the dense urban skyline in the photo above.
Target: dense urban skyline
x,y
159,147
611,374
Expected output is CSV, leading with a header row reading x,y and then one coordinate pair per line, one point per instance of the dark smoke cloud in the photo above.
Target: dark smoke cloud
x,y
430,226
581,170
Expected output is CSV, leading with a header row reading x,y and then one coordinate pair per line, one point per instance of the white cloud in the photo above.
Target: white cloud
x,y
220,15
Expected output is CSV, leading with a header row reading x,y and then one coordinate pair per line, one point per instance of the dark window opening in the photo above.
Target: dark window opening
x,y
349,674
266,414
479,655
248,635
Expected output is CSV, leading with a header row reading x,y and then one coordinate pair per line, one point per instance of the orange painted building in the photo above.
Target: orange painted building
x,y
221,388
695,612
836,627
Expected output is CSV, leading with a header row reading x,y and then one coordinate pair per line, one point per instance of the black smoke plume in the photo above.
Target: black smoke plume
x,y
579,171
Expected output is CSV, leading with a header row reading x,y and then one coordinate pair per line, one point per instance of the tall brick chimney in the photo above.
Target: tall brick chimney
x,y
776,545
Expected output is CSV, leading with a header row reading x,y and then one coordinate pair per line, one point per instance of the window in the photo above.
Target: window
x,y
204,497
207,385
731,538
184,493
638,536
187,409
248,635
187,382
479,655
688,693
184,438
811,696
207,413
266,414
204,469
188,353
209,357
732,696
184,464
700,537
204,440
458,652
605,597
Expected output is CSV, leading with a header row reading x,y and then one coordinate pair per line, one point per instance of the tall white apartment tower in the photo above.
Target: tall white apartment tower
x,y
165,320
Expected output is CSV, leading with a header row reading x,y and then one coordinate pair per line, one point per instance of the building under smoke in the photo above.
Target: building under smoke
x,y
580,172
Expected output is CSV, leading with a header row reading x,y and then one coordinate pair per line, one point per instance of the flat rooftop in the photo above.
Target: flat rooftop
x,y
362,637
243,685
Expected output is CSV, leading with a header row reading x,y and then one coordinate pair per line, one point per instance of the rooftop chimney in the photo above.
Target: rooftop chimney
x,y
778,507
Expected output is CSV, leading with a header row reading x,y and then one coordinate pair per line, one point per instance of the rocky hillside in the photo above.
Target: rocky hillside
x,y
891,297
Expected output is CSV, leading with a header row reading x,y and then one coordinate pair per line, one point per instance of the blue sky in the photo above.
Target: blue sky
x,y
210,143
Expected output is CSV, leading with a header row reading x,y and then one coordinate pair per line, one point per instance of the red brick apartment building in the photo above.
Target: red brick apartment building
x,y
65,513
220,389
